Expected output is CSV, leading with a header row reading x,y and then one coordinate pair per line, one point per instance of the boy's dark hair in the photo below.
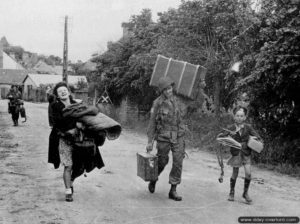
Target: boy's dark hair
x,y
236,109
60,84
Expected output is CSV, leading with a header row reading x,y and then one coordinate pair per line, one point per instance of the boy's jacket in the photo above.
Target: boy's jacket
x,y
242,138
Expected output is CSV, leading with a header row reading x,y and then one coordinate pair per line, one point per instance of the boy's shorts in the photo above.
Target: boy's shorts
x,y
65,152
239,160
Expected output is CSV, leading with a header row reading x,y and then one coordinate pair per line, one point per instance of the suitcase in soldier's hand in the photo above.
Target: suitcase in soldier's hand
x,y
147,167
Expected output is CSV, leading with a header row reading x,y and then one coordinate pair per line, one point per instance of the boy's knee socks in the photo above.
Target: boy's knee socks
x,y
232,183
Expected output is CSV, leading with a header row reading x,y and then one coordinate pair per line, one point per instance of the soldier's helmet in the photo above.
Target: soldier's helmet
x,y
165,82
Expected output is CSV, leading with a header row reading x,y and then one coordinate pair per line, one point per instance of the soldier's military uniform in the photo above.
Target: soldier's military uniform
x,y
167,128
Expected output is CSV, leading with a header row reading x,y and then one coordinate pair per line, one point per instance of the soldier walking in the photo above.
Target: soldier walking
x,y
167,129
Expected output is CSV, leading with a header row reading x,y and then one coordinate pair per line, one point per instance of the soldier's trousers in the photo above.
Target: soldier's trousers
x,y
178,152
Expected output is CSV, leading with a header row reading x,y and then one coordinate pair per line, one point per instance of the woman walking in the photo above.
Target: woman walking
x,y
64,129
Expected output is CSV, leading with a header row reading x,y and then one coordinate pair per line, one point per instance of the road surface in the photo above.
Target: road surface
x,y
32,191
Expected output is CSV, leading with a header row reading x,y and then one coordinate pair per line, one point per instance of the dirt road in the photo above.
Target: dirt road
x,y
32,191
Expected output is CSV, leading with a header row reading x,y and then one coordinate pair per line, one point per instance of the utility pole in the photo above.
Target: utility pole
x,y
65,58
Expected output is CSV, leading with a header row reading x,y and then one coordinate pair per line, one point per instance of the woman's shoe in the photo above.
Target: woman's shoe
x,y
151,186
69,198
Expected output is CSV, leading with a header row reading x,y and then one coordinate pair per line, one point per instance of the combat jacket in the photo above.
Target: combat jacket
x,y
165,121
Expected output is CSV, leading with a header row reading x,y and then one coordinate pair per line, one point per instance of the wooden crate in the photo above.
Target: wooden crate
x,y
147,167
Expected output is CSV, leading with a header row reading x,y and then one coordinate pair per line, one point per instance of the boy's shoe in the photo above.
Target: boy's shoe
x,y
231,196
174,196
232,185
69,198
246,197
246,188
151,186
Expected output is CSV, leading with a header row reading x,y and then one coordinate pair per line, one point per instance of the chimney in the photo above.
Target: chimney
x,y
1,56
12,55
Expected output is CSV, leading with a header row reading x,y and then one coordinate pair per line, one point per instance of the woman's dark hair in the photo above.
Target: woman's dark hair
x,y
60,84
236,109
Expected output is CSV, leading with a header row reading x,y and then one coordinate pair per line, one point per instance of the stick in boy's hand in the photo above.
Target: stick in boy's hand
x,y
222,174
220,161
221,179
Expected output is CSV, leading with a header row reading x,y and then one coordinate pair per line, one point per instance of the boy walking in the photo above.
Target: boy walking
x,y
241,132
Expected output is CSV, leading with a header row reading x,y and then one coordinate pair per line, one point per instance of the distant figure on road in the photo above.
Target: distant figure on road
x,y
15,100
241,132
166,127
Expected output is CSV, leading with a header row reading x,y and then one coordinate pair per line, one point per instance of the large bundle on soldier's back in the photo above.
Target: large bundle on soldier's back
x,y
187,77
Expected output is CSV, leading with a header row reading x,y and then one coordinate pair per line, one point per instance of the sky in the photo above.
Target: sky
x,y
38,25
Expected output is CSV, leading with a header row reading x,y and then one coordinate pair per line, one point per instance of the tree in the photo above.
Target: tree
x,y
128,63
16,50
197,32
201,32
271,76
217,33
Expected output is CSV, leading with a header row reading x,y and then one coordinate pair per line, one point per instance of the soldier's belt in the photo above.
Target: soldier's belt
x,y
171,136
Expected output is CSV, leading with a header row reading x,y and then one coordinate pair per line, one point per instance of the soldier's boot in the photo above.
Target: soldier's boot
x,y
246,188
151,186
232,185
69,195
15,123
173,194
72,187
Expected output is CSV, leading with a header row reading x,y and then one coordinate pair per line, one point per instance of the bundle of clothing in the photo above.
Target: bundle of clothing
x,y
93,120
92,129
